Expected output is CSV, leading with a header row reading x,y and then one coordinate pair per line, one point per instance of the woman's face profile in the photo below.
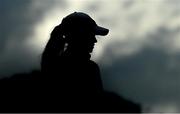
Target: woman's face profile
x,y
84,41
88,41
91,42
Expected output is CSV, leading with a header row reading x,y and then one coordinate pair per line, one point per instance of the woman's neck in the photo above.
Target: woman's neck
x,y
78,54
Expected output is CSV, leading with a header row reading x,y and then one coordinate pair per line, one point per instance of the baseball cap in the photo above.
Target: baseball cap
x,y
79,20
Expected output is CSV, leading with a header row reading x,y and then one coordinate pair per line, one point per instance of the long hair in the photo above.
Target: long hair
x,y
54,48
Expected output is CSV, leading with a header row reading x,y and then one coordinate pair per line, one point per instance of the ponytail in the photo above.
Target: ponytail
x,y
54,48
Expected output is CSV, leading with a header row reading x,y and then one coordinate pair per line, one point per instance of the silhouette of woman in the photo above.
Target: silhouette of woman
x,y
66,57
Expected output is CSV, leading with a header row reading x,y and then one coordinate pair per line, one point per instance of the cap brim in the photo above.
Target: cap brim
x,y
101,31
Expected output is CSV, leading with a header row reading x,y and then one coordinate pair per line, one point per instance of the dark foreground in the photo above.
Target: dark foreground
x,y
30,93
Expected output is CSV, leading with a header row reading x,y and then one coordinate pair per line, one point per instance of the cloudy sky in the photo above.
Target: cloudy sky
x,y
139,59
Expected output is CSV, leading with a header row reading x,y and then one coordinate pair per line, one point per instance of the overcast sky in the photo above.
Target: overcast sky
x,y
139,59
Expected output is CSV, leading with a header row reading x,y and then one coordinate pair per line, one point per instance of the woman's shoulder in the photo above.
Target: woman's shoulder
x,y
93,64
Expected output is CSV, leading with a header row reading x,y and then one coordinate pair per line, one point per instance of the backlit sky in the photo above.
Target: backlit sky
x,y
139,59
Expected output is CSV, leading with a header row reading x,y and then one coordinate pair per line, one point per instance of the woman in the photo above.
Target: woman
x,y
66,58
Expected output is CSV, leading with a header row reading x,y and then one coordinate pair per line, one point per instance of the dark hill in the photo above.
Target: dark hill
x,y
31,93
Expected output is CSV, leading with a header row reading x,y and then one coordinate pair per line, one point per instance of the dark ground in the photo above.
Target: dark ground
x,y
30,93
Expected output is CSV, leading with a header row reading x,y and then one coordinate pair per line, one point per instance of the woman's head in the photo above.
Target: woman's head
x,y
76,34
80,30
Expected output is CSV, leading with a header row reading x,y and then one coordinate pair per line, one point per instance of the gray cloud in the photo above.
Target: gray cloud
x,y
150,75
18,18
128,3
163,37
14,20
134,75
18,21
